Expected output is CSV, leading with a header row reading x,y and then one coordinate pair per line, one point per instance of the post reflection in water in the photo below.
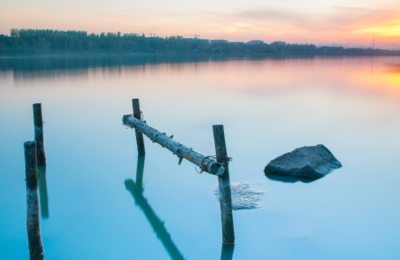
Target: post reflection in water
x,y
44,202
227,252
136,189
139,172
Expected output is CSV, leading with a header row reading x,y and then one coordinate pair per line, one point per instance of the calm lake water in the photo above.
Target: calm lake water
x,y
95,209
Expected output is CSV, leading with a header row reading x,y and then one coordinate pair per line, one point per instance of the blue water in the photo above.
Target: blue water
x,y
267,106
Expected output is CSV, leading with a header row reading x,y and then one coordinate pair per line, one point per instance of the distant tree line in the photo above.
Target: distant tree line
x,y
31,41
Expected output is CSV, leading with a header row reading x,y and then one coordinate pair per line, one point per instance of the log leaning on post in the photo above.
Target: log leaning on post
x,y
206,163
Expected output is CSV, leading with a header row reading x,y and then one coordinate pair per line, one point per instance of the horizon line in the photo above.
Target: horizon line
x,y
195,36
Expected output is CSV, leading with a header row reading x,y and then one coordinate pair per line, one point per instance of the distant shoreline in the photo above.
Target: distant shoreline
x,y
78,54
32,42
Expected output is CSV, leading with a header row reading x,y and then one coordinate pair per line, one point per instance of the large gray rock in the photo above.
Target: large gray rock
x,y
307,163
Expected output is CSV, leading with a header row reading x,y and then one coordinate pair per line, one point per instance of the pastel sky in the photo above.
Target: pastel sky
x,y
342,22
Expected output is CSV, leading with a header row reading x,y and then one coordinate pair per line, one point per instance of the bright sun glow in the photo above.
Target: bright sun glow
x,y
391,30
394,79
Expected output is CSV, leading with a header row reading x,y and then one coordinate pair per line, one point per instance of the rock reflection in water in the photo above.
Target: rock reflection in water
x,y
288,179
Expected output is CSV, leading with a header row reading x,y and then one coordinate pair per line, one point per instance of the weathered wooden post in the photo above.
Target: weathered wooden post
x,y
228,233
32,219
38,123
139,136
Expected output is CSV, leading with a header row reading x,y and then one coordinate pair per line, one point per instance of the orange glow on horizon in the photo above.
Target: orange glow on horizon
x,y
385,32
392,78
385,78
390,30
345,26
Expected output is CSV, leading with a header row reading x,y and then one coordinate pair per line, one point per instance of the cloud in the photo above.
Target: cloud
x,y
339,24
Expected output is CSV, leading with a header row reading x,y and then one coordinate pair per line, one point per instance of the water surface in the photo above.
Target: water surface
x,y
104,203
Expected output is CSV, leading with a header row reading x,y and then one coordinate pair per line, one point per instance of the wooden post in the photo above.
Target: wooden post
x,y
38,123
139,136
228,233
32,219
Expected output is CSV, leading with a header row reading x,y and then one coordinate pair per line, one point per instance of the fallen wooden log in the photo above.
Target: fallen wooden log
x,y
206,163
